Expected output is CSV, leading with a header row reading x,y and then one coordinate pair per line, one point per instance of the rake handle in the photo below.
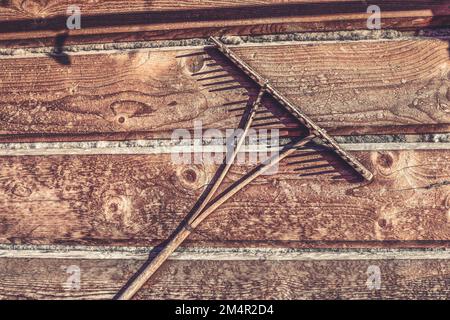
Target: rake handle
x,y
153,266
178,239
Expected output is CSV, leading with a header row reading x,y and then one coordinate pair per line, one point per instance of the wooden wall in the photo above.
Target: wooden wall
x,y
100,201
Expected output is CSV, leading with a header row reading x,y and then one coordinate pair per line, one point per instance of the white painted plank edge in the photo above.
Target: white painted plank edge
x,y
219,254
167,147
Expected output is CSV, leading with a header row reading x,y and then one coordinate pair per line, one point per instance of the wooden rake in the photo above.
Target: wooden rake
x,y
209,205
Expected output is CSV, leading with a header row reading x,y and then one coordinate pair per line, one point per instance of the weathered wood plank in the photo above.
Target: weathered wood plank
x,y
349,88
31,23
361,84
313,201
101,279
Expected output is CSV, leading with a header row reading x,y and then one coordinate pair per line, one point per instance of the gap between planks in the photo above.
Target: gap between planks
x,y
168,147
218,254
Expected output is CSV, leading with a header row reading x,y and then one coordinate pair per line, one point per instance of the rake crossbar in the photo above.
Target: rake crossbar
x,y
314,128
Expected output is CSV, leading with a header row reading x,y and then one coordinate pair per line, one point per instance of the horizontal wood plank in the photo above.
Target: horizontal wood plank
x,y
35,23
101,279
313,201
349,88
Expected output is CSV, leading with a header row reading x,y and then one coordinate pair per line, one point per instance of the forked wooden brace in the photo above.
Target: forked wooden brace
x,y
206,207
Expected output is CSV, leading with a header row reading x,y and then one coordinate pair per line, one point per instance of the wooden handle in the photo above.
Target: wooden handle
x,y
178,239
142,277
239,185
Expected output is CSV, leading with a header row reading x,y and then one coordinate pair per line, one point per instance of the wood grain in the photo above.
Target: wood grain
x,y
34,23
325,80
349,88
313,201
101,279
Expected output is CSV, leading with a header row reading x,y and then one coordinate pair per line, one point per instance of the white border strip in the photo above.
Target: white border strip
x,y
219,254
396,146
189,146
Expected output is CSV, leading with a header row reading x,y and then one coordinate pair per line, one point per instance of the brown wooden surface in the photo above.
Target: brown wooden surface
x,y
31,23
101,279
365,87
314,201
349,88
